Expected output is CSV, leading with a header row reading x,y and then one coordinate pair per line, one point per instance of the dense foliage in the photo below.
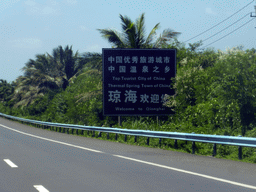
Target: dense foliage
x,y
214,90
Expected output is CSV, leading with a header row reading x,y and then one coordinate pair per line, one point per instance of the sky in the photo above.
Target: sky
x,y
31,27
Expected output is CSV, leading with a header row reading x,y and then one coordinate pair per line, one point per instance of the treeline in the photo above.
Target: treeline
x,y
62,87
214,90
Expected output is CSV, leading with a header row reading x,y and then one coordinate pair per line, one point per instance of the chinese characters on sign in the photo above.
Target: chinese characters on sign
x,y
135,81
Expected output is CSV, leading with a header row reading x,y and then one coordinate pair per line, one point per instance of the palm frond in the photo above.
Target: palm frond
x,y
169,34
113,37
140,25
152,34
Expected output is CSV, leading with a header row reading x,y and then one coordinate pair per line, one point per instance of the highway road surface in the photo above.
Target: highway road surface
x,y
33,159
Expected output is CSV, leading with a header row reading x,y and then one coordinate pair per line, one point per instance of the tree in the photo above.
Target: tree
x,y
234,86
6,90
47,72
133,35
66,63
88,61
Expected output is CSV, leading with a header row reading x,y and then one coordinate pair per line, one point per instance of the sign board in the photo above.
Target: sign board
x,y
135,81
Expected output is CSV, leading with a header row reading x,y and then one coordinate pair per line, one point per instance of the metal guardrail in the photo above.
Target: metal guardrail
x,y
215,139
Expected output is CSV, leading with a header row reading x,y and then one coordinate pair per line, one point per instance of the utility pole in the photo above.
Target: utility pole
x,y
254,13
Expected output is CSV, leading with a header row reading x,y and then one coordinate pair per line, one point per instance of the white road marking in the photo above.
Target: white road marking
x,y
41,188
145,162
12,165
189,172
53,140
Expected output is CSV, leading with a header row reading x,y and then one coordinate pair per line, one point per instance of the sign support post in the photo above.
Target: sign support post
x,y
119,121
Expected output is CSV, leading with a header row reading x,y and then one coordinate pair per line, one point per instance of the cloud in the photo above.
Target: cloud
x,y
210,11
7,4
39,9
93,48
30,3
48,10
26,43
72,2
84,28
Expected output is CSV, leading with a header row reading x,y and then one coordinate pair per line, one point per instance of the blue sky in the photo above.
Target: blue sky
x,y
30,27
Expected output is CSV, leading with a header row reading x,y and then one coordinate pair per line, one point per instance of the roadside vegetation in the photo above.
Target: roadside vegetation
x,y
214,91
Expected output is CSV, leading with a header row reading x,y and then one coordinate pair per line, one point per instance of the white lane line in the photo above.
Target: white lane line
x,y
11,164
53,140
189,172
145,162
41,188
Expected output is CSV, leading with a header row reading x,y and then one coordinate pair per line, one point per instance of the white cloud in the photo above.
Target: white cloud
x,y
93,48
4,4
36,8
84,28
210,11
72,2
30,3
48,10
26,43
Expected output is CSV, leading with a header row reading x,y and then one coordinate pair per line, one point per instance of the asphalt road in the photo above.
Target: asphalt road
x,y
57,162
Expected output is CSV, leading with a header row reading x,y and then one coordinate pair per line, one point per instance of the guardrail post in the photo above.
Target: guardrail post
x,y
240,152
93,134
148,141
67,130
135,139
214,150
77,131
107,135
72,131
193,147
82,132
116,137
99,134
125,138
160,142
175,144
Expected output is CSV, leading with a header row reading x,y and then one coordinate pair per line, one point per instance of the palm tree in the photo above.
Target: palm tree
x,y
47,72
26,91
133,35
67,64
6,90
